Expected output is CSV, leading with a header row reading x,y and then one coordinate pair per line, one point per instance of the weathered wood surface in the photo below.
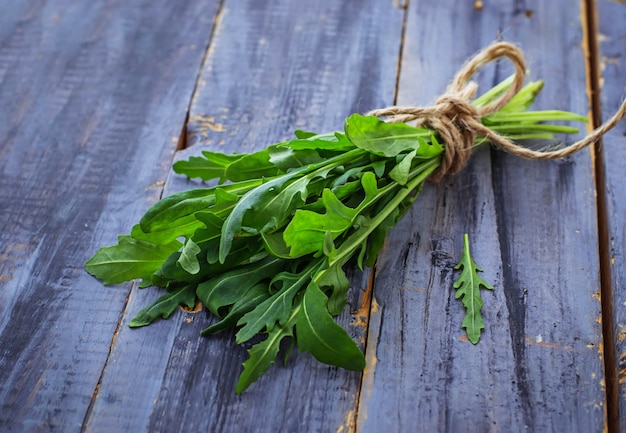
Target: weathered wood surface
x,y
93,99
533,230
271,68
612,68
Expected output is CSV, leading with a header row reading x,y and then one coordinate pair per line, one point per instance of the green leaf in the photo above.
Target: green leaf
x,y
334,278
228,287
173,209
307,231
263,354
165,306
211,230
188,259
400,173
305,234
376,240
211,165
129,259
247,302
318,334
286,158
183,227
389,139
467,287
275,245
275,309
324,142
252,200
176,211
252,166
303,135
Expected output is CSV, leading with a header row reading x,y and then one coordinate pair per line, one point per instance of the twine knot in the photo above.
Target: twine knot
x,y
458,121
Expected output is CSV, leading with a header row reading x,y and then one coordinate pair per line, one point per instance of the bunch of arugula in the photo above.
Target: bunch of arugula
x,y
264,249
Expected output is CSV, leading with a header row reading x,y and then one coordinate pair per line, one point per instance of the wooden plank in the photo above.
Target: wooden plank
x,y
92,99
271,68
533,229
612,55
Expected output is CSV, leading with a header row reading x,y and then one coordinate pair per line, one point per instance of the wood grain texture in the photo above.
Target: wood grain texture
x,y
92,99
612,56
532,226
272,67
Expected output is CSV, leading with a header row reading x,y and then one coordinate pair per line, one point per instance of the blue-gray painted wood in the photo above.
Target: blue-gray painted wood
x,y
272,67
92,100
532,227
612,56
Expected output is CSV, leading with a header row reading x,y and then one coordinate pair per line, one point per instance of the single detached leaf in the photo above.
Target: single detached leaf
x,y
165,306
318,334
129,259
467,287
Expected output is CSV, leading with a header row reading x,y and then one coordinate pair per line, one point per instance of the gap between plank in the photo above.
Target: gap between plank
x,y
368,296
182,144
405,7
96,390
590,43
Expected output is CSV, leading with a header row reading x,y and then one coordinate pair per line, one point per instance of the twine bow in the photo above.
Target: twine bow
x,y
458,122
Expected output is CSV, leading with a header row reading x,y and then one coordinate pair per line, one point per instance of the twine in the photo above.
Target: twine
x,y
458,122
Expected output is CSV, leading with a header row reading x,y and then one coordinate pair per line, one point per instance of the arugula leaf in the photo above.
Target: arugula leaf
x,y
251,200
252,166
334,278
247,302
165,306
303,135
305,234
177,210
319,335
285,157
266,248
211,165
467,287
276,308
389,139
263,354
129,259
336,142
400,173
188,259
227,288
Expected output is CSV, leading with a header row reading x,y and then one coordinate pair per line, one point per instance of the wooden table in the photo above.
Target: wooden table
x,y
98,98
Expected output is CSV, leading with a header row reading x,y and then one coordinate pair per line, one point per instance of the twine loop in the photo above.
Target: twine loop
x,y
458,122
